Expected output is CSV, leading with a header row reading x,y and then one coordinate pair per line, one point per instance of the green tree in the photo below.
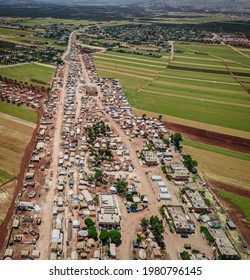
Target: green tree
x,y
92,233
121,186
157,226
161,135
189,162
144,223
166,142
144,116
89,222
104,236
177,138
129,197
134,206
139,238
99,175
115,236
96,199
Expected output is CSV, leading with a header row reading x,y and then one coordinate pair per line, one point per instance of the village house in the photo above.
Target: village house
x,y
196,200
181,221
150,158
109,216
179,172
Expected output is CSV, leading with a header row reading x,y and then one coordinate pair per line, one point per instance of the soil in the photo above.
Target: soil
x,y
212,138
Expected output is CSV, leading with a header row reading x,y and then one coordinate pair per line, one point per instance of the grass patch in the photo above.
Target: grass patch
x,y
22,113
242,203
28,73
5,176
217,150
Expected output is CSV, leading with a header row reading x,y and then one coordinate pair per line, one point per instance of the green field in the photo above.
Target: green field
x,y
217,150
37,75
242,203
23,113
46,21
5,176
10,32
197,96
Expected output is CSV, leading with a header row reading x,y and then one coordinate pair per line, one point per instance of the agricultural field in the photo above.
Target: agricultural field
x,y
133,71
217,150
222,168
15,135
21,113
32,73
185,90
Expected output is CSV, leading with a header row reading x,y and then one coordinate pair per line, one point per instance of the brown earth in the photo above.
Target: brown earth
x,y
212,138
234,213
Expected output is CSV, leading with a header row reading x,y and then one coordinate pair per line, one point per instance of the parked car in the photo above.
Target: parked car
x,y
184,235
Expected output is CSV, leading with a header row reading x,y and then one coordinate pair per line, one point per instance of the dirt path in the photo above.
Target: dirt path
x,y
46,209
46,65
233,48
14,65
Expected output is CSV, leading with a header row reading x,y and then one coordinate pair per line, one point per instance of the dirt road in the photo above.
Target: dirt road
x,y
46,209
